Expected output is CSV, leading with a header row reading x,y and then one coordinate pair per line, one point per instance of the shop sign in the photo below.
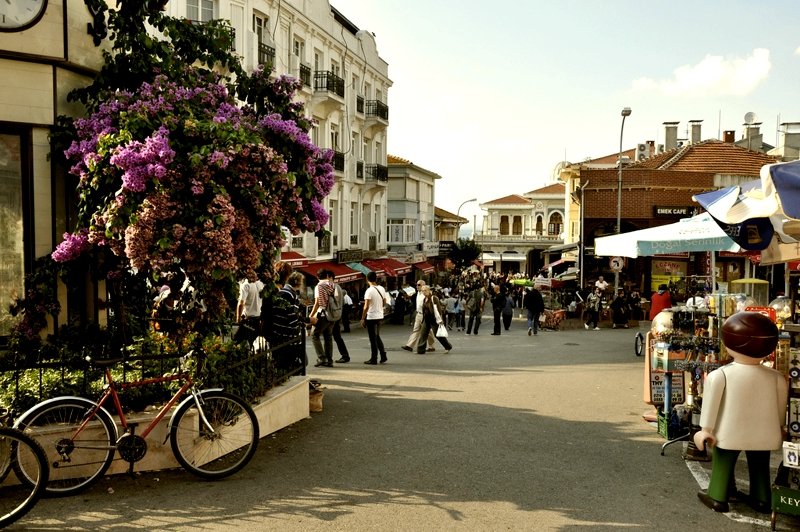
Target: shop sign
x,y
431,248
658,383
349,255
445,247
671,212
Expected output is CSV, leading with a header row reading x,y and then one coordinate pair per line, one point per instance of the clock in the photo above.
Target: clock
x,y
16,15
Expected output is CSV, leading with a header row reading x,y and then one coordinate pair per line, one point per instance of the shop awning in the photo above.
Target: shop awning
x,y
557,263
392,267
343,273
365,269
294,259
424,267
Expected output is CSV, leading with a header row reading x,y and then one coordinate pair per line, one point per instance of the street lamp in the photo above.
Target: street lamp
x,y
458,212
626,111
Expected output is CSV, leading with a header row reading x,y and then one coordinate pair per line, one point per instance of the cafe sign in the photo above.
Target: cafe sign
x,y
672,212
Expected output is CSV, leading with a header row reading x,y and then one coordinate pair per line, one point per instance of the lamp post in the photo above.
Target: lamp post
x,y
458,212
626,111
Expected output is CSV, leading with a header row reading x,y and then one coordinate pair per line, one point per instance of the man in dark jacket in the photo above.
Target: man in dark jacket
x,y
498,303
534,304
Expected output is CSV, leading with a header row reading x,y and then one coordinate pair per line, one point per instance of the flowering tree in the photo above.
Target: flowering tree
x,y
180,181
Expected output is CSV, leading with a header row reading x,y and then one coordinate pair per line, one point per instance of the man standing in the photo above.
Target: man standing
x,y
498,303
534,304
248,310
594,304
324,326
475,305
372,316
346,310
413,338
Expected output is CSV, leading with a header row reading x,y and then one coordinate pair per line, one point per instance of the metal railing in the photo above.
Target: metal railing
x,y
516,238
266,54
353,240
359,169
338,161
377,172
305,75
324,244
328,81
360,104
378,109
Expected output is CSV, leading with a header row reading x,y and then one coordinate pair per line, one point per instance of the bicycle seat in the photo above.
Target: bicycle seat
x,y
104,362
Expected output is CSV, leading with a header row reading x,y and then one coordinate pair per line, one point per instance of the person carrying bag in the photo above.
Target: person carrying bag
x,y
431,320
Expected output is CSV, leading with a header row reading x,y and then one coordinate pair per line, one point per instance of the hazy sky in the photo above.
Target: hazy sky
x,y
492,95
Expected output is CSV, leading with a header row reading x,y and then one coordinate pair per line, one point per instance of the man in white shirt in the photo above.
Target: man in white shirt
x,y
248,310
601,283
323,327
374,299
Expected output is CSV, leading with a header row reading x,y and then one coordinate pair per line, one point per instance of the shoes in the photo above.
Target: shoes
x,y
383,360
717,506
625,327
495,334
597,328
585,326
431,349
530,331
614,326
407,348
321,364
446,351
371,362
343,360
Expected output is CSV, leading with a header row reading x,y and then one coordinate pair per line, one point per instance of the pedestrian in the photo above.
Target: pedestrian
x,y
594,305
413,338
534,305
375,298
660,300
347,309
508,311
635,304
431,320
475,305
620,310
498,304
248,310
339,294
323,327
602,284
462,311
285,324
450,303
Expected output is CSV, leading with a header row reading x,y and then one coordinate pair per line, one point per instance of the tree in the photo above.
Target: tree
x,y
464,252
180,183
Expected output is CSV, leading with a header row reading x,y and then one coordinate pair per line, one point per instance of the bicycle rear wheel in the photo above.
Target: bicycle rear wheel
x,y
76,459
17,498
226,450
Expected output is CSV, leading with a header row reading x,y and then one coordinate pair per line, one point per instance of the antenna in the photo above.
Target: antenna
x,y
750,118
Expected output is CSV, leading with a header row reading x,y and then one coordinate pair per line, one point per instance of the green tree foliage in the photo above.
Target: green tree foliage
x,y
464,252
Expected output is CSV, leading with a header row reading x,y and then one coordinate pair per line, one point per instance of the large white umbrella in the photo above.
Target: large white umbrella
x,y
698,233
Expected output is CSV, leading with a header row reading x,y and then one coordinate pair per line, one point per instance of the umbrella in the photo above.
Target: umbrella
x,y
763,214
698,233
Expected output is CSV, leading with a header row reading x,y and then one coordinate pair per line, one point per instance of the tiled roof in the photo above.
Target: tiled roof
x,y
713,156
394,159
611,159
441,213
513,199
555,188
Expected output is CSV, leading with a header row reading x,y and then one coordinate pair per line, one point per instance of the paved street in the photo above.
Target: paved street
x,y
503,433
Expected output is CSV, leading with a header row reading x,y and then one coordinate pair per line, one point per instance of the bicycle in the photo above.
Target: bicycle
x,y
17,498
213,434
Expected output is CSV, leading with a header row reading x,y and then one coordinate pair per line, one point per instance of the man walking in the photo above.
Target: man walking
x,y
534,304
346,310
594,304
475,305
498,303
372,316
323,329
413,338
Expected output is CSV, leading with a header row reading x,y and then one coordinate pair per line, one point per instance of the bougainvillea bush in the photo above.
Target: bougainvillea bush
x,y
181,182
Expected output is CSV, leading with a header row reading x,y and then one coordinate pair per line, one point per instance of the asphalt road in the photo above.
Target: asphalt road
x,y
503,433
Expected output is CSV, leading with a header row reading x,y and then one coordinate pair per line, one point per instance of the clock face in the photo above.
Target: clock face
x,y
17,15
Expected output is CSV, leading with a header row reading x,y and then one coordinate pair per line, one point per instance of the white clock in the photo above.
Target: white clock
x,y
18,15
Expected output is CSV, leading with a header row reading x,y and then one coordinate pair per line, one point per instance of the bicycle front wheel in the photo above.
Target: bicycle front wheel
x,y
16,497
79,449
222,447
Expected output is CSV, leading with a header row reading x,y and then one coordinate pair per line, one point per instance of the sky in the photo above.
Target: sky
x,y
493,95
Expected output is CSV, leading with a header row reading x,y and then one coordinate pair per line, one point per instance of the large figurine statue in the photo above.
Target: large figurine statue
x,y
744,409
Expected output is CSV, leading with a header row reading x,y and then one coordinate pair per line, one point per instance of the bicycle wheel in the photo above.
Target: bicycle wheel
x,y
638,344
76,459
224,451
17,498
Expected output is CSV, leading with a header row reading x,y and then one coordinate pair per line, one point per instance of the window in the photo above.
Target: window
x,y
504,225
556,222
356,146
367,90
539,225
516,228
401,231
334,216
317,60
200,10
12,238
299,48
335,69
335,137
353,220
261,28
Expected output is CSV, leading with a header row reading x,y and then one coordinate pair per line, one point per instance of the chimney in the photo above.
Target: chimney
x,y
695,131
670,135
729,136
790,135
752,136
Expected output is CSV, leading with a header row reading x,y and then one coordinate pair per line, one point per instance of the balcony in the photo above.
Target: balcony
x,y
305,75
531,238
298,242
360,104
338,161
377,109
266,54
373,243
377,172
328,81
353,240
359,169
324,244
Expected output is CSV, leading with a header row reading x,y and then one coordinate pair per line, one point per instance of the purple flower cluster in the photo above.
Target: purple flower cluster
x,y
72,246
143,161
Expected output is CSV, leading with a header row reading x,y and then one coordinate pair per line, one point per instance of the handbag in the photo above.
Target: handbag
x,y
441,332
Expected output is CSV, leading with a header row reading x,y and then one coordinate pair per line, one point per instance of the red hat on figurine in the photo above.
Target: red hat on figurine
x,y
750,333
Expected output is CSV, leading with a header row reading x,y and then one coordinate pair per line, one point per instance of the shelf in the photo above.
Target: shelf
x,y
791,327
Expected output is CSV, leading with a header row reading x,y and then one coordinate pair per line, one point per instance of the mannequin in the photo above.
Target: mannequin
x,y
744,409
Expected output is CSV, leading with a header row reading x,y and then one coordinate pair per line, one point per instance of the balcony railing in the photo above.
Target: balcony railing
x,y
360,104
324,244
232,31
359,169
516,238
373,243
378,109
377,172
325,80
298,242
353,240
305,75
266,54
338,161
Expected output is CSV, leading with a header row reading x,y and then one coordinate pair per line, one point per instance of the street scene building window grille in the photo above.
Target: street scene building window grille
x,y
324,244
359,169
353,240
360,104
377,172
377,108
328,81
373,243
305,75
266,54
297,241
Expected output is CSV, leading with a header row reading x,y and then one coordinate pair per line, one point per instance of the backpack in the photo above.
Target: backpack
x,y
472,303
333,310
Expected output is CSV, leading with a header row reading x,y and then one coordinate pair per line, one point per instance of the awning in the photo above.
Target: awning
x,y
556,263
343,273
424,267
564,247
363,268
294,259
505,257
392,267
